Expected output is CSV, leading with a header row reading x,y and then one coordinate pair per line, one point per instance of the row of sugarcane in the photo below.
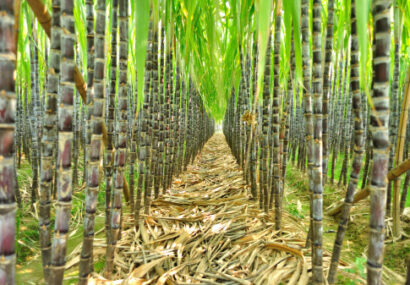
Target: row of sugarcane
x,y
259,141
155,143
334,118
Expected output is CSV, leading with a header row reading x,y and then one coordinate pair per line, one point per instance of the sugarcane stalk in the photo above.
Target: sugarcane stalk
x,y
34,119
285,121
155,113
326,85
143,133
358,147
47,141
168,123
307,98
276,172
95,107
379,124
151,117
65,132
263,182
7,127
110,151
317,177
121,141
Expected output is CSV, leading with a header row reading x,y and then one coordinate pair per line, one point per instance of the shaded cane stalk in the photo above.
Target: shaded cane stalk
x,y
379,126
359,142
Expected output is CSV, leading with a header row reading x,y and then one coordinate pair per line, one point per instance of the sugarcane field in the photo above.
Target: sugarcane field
x,y
183,142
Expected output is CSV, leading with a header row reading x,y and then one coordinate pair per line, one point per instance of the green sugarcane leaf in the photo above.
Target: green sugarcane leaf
x,y
297,41
362,16
80,25
264,11
142,17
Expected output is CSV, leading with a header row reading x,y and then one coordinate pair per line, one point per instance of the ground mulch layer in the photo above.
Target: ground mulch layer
x,y
207,230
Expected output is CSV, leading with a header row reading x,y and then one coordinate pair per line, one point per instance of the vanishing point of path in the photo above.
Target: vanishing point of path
x,y
206,230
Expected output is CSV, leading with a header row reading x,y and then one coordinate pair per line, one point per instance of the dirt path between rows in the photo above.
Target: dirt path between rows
x,y
207,230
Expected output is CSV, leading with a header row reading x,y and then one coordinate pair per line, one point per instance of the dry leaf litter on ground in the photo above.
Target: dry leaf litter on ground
x,y
207,230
